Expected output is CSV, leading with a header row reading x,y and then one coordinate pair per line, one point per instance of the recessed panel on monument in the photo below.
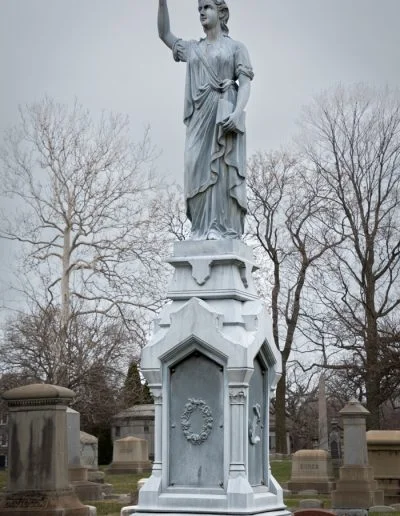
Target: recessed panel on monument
x,y
196,456
257,424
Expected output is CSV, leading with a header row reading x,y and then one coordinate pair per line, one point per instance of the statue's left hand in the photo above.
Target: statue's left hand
x,y
231,124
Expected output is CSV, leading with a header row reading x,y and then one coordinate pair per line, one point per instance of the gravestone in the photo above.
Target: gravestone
x,y
130,455
89,450
38,454
78,473
73,429
138,421
310,471
311,503
356,487
384,457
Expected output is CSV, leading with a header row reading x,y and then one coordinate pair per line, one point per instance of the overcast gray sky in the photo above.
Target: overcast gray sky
x,y
108,55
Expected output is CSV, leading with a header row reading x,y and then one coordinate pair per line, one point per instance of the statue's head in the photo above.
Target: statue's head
x,y
222,10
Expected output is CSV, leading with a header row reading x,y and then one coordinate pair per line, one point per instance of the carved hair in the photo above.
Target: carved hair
x,y
223,12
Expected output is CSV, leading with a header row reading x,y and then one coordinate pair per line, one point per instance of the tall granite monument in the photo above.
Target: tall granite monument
x,y
211,362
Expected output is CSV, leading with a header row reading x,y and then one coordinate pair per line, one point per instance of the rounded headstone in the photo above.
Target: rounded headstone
x,y
311,504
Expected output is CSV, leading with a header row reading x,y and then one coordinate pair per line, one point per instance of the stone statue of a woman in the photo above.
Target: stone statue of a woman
x,y
217,91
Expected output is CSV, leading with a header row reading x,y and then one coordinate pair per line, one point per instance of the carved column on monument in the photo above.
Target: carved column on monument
x,y
237,400
158,404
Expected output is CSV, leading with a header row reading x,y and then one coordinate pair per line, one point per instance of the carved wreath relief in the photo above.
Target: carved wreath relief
x,y
194,405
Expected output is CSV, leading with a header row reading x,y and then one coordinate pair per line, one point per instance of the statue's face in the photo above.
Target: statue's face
x,y
209,16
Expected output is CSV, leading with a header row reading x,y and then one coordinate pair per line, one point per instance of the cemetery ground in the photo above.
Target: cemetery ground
x,y
123,484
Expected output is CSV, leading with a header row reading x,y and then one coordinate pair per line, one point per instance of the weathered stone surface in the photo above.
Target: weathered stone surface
x,y
88,450
78,474
73,431
130,455
356,487
43,503
384,457
311,473
38,454
88,491
38,391
313,512
311,504
96,476
351,512
137,420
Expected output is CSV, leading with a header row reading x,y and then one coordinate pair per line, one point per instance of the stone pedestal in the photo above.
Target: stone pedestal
x,y
211,364
83,488
130,455
311,469
38,454
77,473
384,457
356,487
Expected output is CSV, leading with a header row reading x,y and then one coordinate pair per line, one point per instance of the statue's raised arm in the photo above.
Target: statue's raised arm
x,y
217,90
164,30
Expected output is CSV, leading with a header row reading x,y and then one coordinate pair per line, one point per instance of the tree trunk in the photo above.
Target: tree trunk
x,y
280,415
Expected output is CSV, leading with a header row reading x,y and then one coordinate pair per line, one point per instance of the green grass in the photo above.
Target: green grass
x,y
123,484
108,508
282,470
3,479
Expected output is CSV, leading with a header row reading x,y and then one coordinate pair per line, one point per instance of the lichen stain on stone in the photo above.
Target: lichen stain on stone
x,y
40,453
15,463
46,448
32,462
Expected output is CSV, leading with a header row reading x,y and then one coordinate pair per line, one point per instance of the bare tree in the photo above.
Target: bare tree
x,y
86,217
291,224
352,139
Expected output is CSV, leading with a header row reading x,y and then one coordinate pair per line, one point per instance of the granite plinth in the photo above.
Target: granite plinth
x,y
42,503
122,468
211,365
87,491
356,489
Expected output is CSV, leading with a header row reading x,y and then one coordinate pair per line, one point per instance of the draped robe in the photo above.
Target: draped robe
x,y
215,162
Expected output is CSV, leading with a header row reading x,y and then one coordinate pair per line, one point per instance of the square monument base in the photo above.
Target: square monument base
x,y
39,503
356,489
